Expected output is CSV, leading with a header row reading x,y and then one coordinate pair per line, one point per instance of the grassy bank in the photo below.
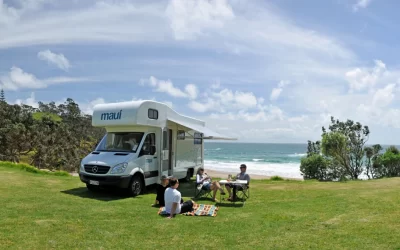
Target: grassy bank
x,y
31,169
45,211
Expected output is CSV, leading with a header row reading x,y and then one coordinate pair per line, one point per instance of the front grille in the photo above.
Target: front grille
x,y
96,169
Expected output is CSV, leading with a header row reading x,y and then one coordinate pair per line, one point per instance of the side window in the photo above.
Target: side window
x,y
198,138
165,140
149,142
181,135
153,114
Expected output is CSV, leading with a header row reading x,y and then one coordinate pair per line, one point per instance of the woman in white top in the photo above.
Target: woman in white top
x,y
208,184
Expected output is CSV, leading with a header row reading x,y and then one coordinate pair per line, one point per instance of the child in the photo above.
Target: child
x,y
160,191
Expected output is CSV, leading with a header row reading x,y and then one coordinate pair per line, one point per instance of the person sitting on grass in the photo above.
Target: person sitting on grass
x,y
173,198
241,176
160,191
203,178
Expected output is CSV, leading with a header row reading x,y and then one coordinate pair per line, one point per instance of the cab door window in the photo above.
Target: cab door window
x,y
149,145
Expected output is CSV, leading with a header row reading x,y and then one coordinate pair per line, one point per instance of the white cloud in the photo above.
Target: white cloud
x,y
18,79
7,14
87,107
57,59
209,105
166,86
189,19
191,91
245,99
361,4
228,99
361,79
31,101
205,23
276,92
383,97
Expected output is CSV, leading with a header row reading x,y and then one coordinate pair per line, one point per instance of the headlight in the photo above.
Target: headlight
x,y
119,168
82,167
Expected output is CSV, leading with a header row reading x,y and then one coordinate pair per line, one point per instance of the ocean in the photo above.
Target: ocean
x,y
261,158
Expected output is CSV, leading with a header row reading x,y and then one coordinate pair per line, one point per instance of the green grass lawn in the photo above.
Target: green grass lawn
x,y
47,211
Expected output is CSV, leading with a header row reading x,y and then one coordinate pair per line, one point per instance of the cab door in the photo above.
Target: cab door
x,y
148,159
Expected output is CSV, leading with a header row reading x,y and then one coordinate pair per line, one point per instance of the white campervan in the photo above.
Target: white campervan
x,y
144,140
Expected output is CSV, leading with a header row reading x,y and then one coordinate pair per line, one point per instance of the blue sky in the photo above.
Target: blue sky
x,y
262,71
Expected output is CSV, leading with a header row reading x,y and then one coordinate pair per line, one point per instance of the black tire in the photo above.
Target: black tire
x,y
92,187
136,186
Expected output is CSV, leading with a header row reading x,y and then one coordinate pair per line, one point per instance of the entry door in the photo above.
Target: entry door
x,y
166,159
170,154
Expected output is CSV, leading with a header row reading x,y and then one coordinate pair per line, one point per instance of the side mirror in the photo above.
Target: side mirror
x,y
152,150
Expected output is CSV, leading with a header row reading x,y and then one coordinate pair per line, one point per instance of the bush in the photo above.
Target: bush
x,y
388,164
31,169
276,178
316,166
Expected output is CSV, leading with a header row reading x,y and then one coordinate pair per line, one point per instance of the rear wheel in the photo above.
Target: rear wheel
x,y
136,186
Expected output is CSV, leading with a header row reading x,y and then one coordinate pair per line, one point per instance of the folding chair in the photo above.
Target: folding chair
x,y
200,192
243,192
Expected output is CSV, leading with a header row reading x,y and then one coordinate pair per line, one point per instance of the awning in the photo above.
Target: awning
x,y
207,133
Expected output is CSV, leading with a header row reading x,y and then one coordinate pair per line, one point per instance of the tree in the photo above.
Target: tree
x,y
52,137
393,150
345,143
372,154
2,96
313,148
388,164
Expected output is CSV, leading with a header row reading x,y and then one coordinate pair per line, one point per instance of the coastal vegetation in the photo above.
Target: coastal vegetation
x,y
342,154
50,136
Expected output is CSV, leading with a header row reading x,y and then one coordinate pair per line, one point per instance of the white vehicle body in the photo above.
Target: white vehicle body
x,y
161,142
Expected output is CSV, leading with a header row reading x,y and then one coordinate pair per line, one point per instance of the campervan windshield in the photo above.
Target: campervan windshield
x,y
120,141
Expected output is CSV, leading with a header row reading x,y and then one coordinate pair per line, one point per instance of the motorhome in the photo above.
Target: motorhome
x,y
144,140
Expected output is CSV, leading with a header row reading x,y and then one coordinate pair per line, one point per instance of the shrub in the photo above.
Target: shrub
x,y
316,167
388,164
276,178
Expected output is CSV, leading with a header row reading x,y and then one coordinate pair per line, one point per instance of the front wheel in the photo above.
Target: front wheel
x,y
136,186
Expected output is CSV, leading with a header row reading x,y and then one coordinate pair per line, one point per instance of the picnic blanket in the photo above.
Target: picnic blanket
x,y
198,210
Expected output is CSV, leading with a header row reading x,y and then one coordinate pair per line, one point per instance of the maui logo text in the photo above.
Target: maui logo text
x,y
111,116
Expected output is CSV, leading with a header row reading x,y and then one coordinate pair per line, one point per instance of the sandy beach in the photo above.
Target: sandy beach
x,y
219,174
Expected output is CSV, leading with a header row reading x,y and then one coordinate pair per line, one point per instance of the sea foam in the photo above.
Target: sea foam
x,y
288,170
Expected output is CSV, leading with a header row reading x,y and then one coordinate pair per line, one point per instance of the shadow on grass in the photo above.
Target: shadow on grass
x,y
101,195
230,204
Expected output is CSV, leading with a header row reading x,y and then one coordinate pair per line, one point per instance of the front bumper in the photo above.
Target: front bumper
x,y
110,181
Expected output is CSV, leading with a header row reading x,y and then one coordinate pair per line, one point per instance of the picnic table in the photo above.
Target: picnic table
x,y
235,184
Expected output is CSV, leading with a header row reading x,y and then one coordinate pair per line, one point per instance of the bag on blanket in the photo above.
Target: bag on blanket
x,y
198,210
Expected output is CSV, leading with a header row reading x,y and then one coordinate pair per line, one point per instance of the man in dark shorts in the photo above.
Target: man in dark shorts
x,y
241,176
